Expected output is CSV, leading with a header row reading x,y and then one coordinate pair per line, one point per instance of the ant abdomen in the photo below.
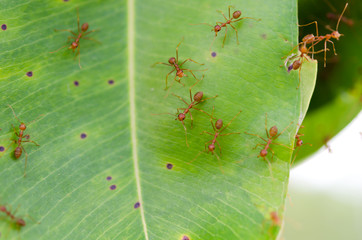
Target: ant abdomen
x,y
84,27
218,124
211,147
296,64
18,151
263,152
273,131
198,96
236,14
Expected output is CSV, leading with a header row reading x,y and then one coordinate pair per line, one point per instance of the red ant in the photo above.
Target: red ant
x,y
218,129
275,218
194,101
174,62
299,143
18,221
20,148
82,32
219,25
272,135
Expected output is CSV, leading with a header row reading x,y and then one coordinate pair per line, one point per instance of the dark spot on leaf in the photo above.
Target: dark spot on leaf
x,y
109,178
76,83
4,27
29,74
185,238
169,166
2,149
213,54
65,0
83,135
137,205
110,82
290,67
263,35
113,187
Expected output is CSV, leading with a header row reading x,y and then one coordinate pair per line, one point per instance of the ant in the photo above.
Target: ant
x,y
20,148
299,143
174,62
197,99
272,135
219,25
82,32
218,129
18,221
275,218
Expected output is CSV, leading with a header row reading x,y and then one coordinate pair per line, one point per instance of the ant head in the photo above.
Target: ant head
x,y
84,27
74,45
181,117
172,60
180,73
263,153
236,14
273,131
296,64
22,126
20,222
217,28
308,39
218,124
336,35
211,147
299,142
198,96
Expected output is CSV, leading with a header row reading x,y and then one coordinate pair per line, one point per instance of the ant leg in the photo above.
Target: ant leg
x,y
226,30
92,39
283,130
259,144
200,110
58,49
183,124
203,100
269,166
191,71
236,32
180,98
229,134
26,160
31,142
206,133
256,19
195,157
193,86
36,119
189,59
295,156
266,124
316,26
79,56
218,159
219,147
212,43
65,30
167,77
325,53
256,135
92,31
78,20
192,120
230,121
223,14
178,110
14,113
212,114
274,143
292,50
177,49
334,49
167,64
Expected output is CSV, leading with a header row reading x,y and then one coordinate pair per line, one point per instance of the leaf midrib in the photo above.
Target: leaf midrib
x,y
132,102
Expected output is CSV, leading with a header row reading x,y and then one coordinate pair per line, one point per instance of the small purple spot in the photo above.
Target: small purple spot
x,y
169,166
185,238
110,82
76,83
213,54
113,187
29,74
2,149
109,178
83,135
290,68
4,27
137,205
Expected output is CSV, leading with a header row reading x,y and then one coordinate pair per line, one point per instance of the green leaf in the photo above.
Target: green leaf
x,y
66,190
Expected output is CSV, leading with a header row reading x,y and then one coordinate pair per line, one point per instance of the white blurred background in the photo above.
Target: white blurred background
x,y
326,191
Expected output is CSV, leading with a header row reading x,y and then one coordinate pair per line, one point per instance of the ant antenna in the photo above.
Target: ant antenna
x,y
340,17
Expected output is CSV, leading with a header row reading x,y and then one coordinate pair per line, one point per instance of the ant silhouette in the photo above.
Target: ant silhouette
x,y
174,62
81,34
272,135
20,148
299,143
232,19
